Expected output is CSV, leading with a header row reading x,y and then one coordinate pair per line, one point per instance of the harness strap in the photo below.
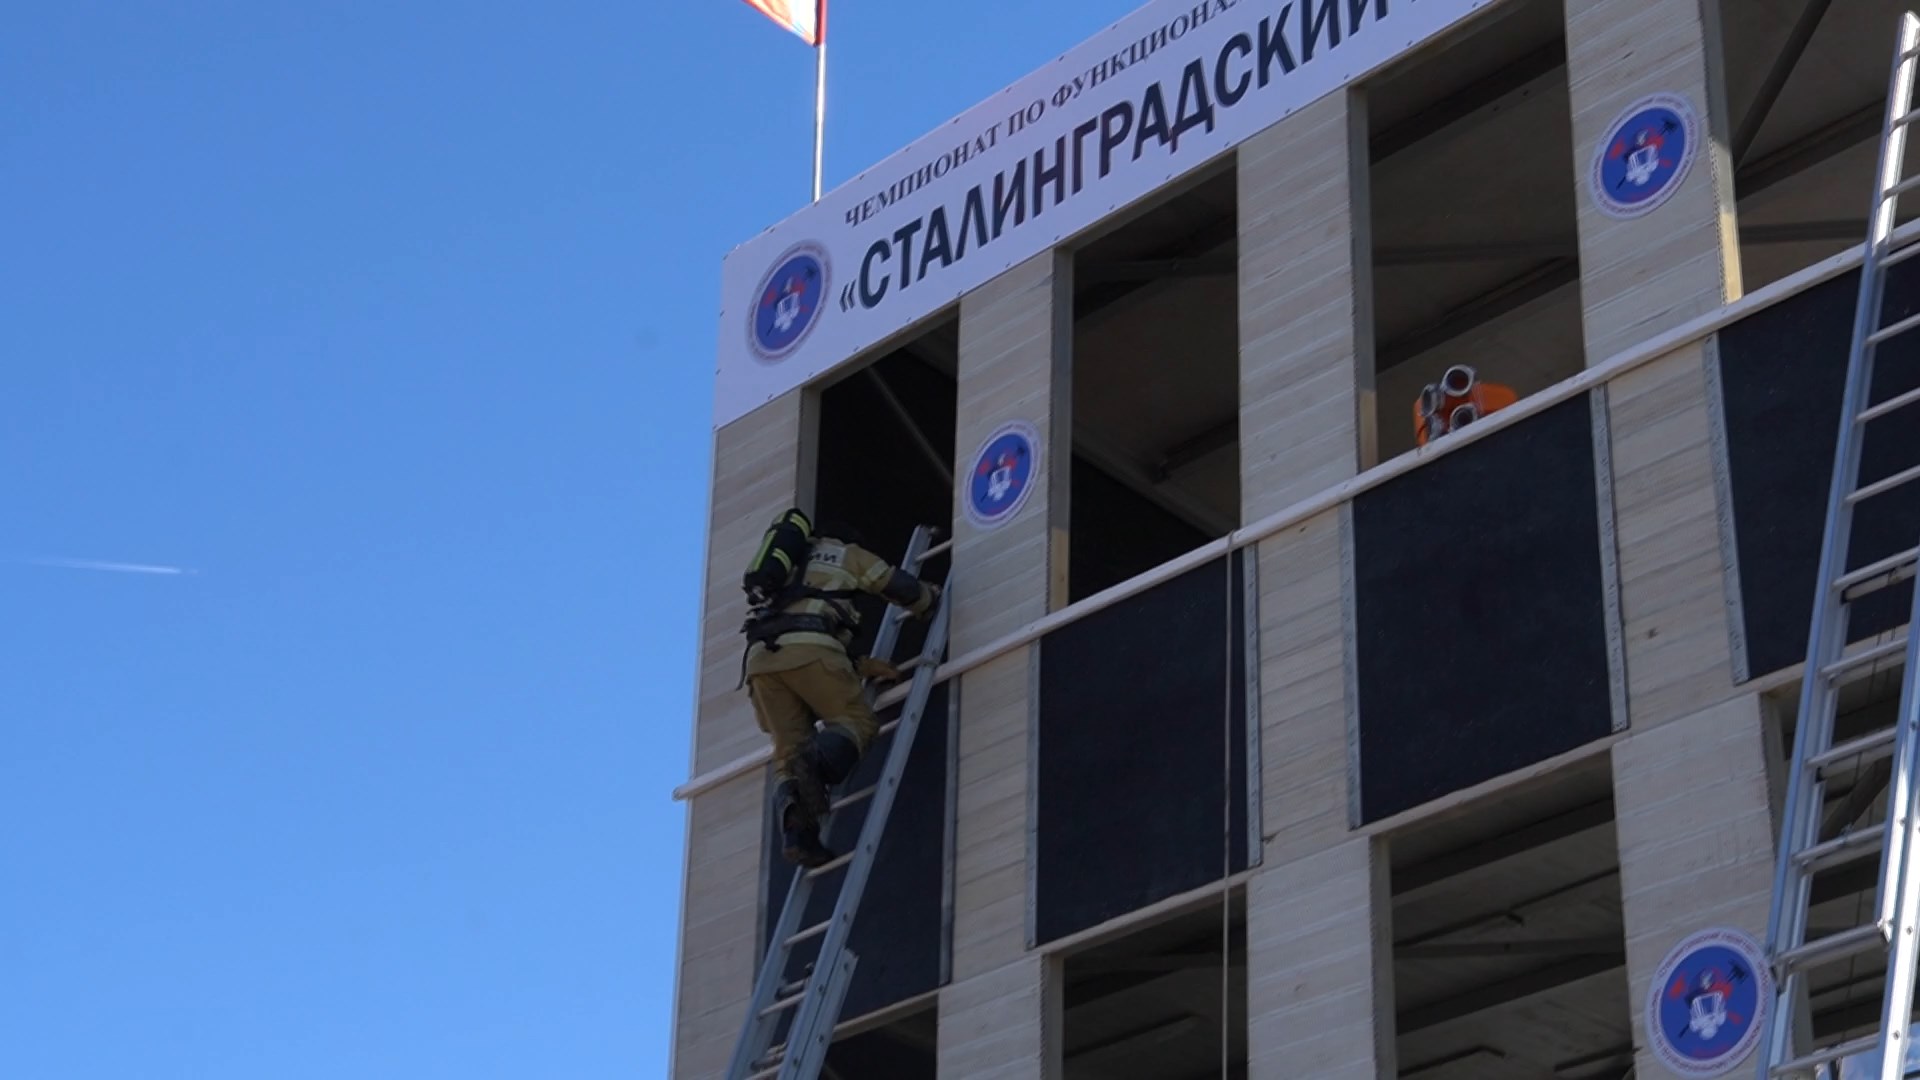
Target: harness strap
x,y
768,629
766,624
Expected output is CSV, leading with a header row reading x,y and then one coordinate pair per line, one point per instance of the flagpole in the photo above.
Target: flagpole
x,y
819,91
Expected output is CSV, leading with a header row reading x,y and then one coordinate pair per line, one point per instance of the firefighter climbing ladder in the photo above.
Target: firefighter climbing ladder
x,y
1802,853
817,996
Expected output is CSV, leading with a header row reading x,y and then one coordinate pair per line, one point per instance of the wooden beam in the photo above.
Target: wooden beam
x,y
1769,93
1453,1059
1212,264
1163,1032
1802,154
1187,451
1510,913
1457,106
1219,240
1589,946
1507,845
1510,295
1536,983
1610,1059
1568,247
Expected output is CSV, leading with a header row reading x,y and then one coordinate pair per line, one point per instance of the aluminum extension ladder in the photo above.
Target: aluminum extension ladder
x,y
1802,854
818,995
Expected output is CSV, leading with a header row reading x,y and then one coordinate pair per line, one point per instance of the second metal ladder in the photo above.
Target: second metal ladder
x,y
814,999
1802,853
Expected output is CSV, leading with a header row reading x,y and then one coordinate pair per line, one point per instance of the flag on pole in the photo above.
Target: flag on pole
x,y
800,16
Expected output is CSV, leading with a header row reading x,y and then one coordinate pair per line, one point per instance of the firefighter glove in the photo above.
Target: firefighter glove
x,y
929,599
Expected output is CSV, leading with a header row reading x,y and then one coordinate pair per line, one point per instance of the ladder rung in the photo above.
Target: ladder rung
x,y
829,867
772,1057
781,1005
1880,487
1869,656
937,549
1902,187
1888,571
1868,747
1832,947
1891,404
1832,1053
848,800
1840,850
813,931
795,986
1907,117
1896,329
1896,256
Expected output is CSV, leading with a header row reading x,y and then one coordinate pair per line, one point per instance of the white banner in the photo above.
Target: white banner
x,y
1153,96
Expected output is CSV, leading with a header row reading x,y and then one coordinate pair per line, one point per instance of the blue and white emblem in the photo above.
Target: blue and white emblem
x,y
788,302
1706,1001
1644,156
1003,472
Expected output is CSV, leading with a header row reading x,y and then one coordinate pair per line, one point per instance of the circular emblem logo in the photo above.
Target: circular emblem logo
x,y
1644,156
1003,473
1705,1004
788,302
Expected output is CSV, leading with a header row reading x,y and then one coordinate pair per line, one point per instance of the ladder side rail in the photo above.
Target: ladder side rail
x,y
861,864
1893,857
1897,1004
889,635
756,1031
1787,922
808,1058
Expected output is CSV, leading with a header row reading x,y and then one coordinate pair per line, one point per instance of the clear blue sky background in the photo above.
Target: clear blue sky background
x,y
394,323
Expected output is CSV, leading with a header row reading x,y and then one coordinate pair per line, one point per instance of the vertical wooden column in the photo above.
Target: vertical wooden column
x,y
1319,944
1306,321
1642,273
1015,368
756,474
1000,1025
1319,967
1675,622
1319,958
1696,830
758,470
1652,256
998,1014
719,923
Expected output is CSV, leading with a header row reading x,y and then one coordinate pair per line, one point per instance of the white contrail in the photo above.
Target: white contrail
x,y
110,567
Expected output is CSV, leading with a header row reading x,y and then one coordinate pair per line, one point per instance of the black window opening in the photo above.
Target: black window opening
x,y
1804,141
1163,1002
1473,222
1503,912
1156,385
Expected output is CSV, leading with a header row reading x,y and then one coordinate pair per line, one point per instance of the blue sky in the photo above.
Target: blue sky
x,y
394,325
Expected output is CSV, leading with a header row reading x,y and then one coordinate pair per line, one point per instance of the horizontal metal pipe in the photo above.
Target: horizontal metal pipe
x,y
1596,375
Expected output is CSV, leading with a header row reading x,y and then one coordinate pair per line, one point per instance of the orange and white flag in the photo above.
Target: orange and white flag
x,y
800,16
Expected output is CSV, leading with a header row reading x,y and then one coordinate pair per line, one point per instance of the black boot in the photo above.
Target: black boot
x,y
800,839
835,754
808,785
826,759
